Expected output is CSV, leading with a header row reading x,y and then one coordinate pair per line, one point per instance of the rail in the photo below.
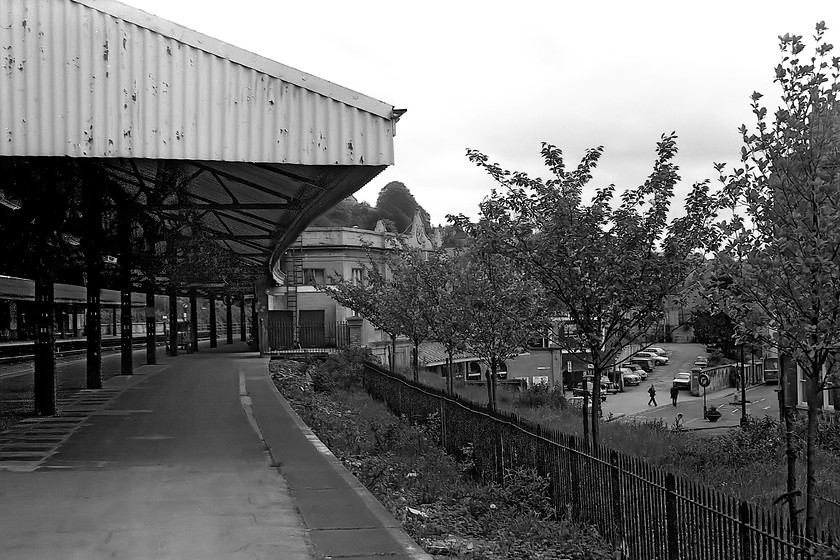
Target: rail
x,y
11,352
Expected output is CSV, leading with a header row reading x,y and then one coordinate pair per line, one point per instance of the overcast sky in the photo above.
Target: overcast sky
x,y
502,77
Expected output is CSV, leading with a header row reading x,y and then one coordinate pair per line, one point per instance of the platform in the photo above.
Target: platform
x,y
197,457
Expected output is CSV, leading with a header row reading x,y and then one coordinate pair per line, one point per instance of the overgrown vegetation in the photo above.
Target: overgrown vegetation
x,y
745,464
434,496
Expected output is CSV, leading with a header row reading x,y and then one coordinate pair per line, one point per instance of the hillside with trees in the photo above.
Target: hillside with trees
x,y
395,206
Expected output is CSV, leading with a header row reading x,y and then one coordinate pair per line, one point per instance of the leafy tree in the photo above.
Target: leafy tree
x,y
608,269
438,275
395,202
373,298
781,256
501,310
714,328
349,213
444,279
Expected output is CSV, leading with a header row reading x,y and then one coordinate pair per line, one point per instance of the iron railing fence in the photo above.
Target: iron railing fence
x,y
646,512
284,336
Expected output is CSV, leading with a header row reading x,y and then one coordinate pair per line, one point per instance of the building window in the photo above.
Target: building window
x,y
313,276
357,276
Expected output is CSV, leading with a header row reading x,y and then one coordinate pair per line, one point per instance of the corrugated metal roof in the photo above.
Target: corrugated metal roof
x,y
267,147
94,78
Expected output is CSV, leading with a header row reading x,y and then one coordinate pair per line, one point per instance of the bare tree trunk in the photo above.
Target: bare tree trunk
x,y
415,361
585,414
596,404
791,491
814,395
450,382
491,385
393,357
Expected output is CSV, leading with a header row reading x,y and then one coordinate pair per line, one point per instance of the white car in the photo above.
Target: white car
x,y
635,368
682,380
656,350
657,359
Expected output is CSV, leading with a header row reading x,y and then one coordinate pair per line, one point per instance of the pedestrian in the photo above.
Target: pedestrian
x,y
652,393
675,392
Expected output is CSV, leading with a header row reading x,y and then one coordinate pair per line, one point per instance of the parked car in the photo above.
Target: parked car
x,y
711,348
701,361
607,386
635,368
628,376
585,387
682,380
657,359
656,350
644,363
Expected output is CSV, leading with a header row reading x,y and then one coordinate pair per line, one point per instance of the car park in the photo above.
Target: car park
x,y
657,359
682,380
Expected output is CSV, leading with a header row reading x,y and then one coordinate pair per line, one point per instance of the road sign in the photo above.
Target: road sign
x,y
704,380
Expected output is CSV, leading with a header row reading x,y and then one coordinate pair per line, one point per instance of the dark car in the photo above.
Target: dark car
x,y
580,390
643,363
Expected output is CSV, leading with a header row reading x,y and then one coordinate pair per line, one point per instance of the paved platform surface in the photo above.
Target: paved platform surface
x,y
198,457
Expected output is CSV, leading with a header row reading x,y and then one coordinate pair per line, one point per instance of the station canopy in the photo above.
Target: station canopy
x,y
262,148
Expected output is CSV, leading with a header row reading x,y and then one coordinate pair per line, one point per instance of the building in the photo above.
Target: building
x,y
300,312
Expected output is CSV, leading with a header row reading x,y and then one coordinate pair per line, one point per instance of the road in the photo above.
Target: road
x,y
632,403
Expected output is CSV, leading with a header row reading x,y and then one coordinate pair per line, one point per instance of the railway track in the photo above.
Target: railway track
x,y
25,351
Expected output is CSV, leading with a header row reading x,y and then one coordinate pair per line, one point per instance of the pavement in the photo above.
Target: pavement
x,y
631,405
761,400
196,457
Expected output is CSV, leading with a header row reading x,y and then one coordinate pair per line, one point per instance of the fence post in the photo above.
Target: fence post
x,y
744,529
671,516
618,522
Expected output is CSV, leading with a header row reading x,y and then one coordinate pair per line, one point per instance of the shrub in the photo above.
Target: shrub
x,y
540,395
341,370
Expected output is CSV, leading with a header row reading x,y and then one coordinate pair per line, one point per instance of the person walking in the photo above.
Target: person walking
x,y
652,393
675,392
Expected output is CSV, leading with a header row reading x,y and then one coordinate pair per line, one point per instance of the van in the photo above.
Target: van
x,y
644,363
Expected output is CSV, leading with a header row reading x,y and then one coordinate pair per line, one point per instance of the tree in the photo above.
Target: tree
x,y
715,328
395,202
412,303
607,269
372,298
442,277
501,310
781,255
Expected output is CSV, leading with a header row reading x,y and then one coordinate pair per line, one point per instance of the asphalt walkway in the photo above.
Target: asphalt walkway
x,y
198,457
761,400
